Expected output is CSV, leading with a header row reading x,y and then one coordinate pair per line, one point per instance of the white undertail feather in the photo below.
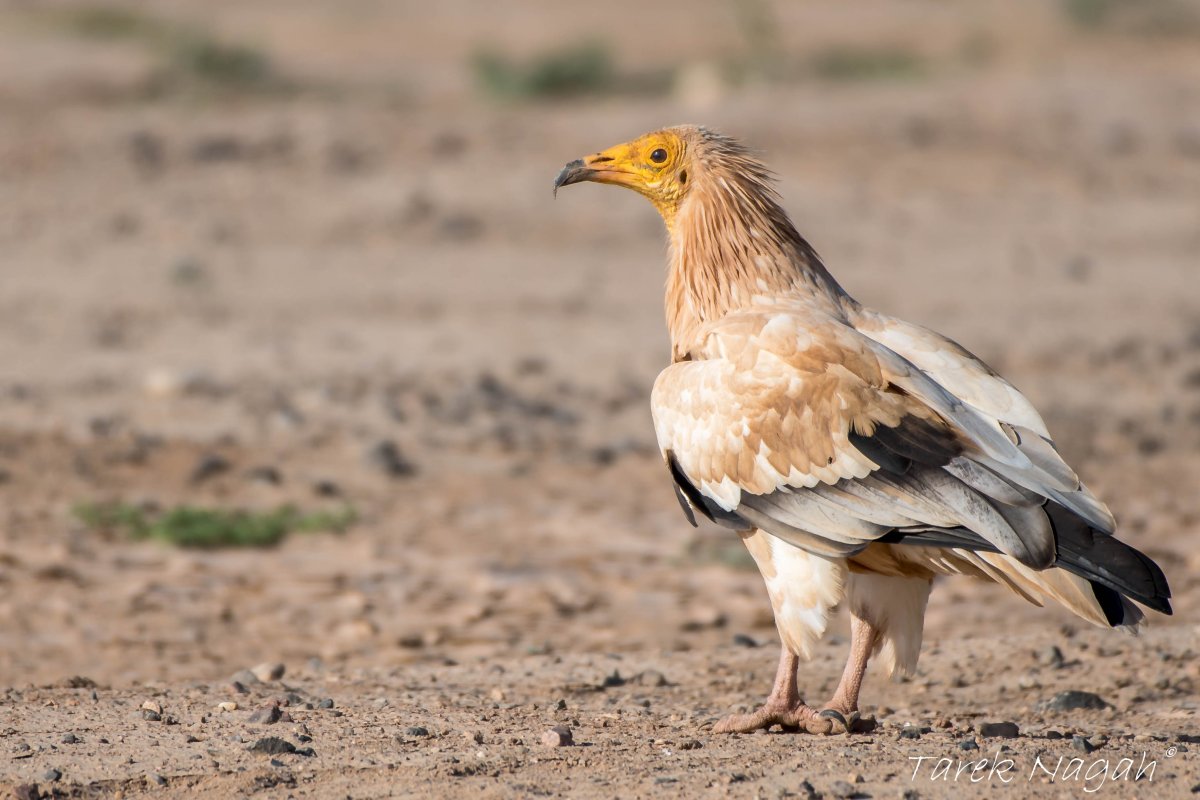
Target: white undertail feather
x,y
804,589
896,606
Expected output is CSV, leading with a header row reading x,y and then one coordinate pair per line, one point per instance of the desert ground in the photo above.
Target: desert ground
x,y
268,254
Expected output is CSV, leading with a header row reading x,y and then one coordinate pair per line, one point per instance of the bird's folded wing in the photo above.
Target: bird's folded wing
x,y
977,385
791,421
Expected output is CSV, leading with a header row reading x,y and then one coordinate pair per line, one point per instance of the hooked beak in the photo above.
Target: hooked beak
x,y
574,172
598,168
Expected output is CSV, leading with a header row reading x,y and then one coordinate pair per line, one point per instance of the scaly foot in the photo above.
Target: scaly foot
x,y
794,716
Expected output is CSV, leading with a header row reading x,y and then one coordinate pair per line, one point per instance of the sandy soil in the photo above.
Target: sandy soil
x,y
279,284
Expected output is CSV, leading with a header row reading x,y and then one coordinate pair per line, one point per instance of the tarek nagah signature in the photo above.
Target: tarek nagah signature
x,y
1090,774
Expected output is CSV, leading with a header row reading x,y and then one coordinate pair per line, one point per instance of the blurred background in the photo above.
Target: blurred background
x,y
301,361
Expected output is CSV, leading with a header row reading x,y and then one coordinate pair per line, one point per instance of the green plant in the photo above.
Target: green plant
x,y
585,68
860,64
206,528
191,57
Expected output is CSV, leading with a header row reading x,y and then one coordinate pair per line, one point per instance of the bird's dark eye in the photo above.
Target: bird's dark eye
x,y
658,156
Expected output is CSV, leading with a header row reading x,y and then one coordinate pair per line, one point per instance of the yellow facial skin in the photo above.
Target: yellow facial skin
x,y
654,165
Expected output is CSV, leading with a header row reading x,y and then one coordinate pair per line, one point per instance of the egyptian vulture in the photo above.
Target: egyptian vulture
x,y
857,455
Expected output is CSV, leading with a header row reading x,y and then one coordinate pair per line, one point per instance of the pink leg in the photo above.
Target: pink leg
x,y
843,706
784,706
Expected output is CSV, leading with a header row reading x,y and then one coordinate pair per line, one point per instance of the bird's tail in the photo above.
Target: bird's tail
x,y
1116,572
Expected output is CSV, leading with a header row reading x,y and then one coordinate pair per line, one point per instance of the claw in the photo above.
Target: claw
x,y
835,715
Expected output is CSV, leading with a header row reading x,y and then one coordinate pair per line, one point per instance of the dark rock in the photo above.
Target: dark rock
x,y
326,703
70,738
998,730
153,716
307,752
416,730
267,715
690,744
52,775
386,456
612,680
27,791
209,466
742,640
1074,700
1051,657
968,744
805,791
272,746
1080,743
326,488
910,732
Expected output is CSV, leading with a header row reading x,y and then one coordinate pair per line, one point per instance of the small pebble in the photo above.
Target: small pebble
x,y
228,705
473,736
612,680
70,738
806,791
27,791
1000,730
153,716
743,640
910,732
968,744
267,715
1074,700
51,775
268,672
842,790
1081,744
386,456
690,744
272,746
558,736
209,466
416,730
244,677
326,703
150,705
1051,657
157,779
